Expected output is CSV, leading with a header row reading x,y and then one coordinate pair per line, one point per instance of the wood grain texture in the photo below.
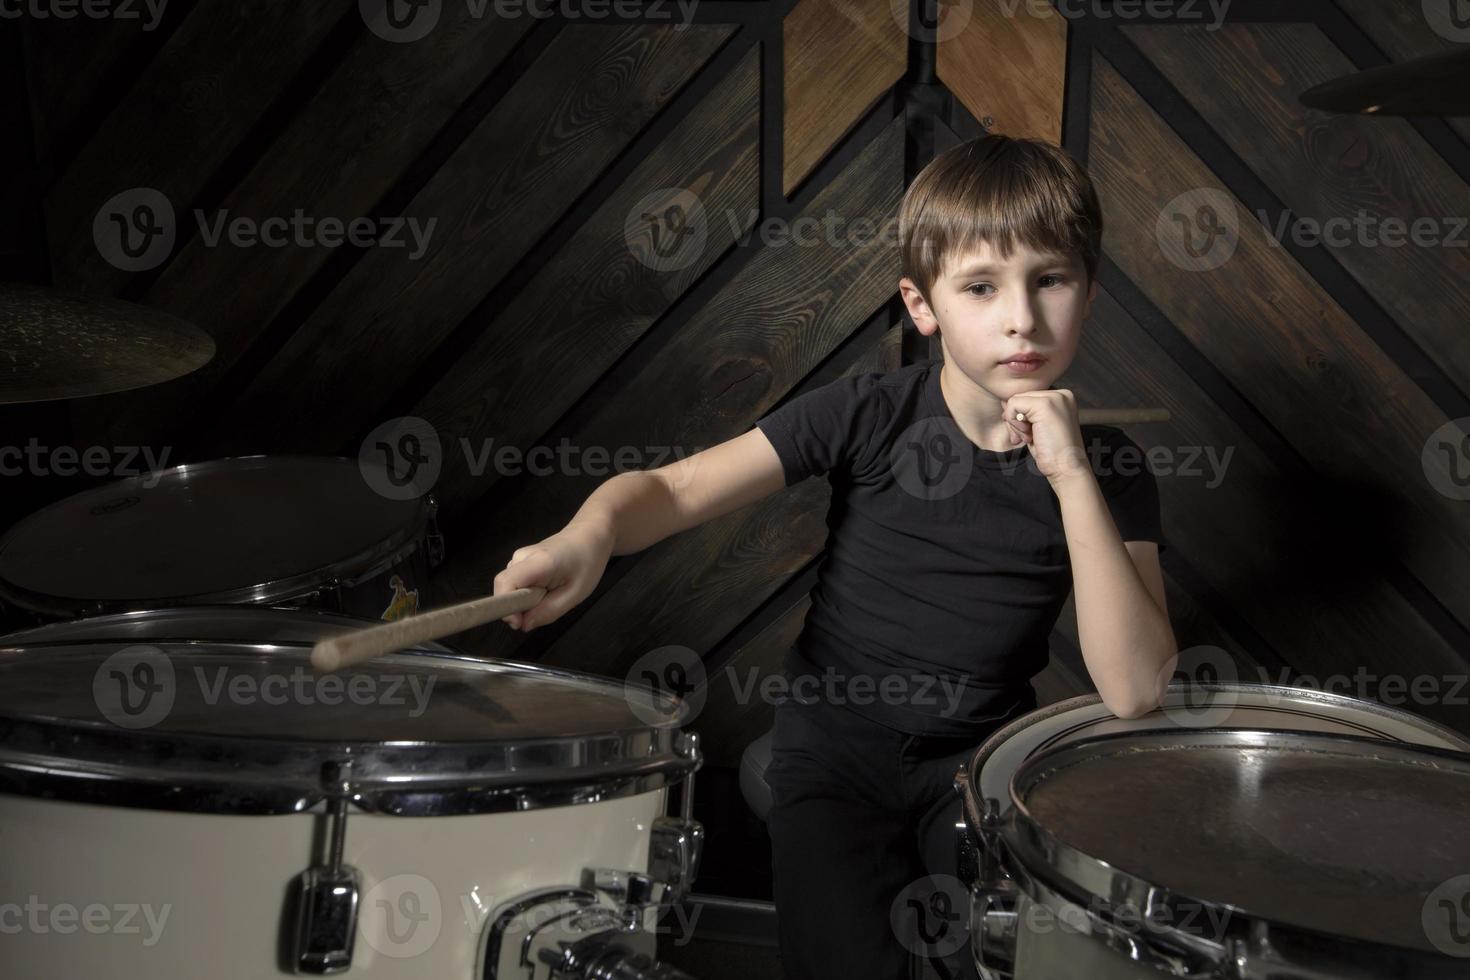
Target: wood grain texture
x,y
1009,66
1329,167
341,152
549,138
1333,396
72,66
784,311
732,718
839,58
218,72
580,312
1404,33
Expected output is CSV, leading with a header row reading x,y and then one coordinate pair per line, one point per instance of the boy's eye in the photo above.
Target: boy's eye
x,y
1054,279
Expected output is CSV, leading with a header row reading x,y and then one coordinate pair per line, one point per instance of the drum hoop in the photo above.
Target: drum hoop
x,y
404,540
123,627
95,762
1010,730
1044,858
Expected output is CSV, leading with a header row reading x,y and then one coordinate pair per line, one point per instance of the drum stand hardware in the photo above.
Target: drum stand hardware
x,y
326,895
600,930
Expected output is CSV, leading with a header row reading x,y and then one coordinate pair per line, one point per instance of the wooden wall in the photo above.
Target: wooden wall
x,y
560,159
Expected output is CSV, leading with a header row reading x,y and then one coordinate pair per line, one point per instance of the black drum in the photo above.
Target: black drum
x,y
269,530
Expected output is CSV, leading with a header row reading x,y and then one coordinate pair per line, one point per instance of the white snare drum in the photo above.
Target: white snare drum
x,y
1287,840
273,530
175,809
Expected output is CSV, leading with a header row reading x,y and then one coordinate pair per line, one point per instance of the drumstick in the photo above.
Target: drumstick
x,y
384,638
1120,416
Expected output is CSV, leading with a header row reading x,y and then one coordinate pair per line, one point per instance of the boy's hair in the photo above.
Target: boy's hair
x,y
997,190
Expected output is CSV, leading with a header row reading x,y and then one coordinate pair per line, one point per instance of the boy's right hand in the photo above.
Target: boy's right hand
x,y
568,565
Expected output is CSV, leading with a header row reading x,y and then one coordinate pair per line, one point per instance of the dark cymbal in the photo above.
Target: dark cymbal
x,y
1433,86
56,344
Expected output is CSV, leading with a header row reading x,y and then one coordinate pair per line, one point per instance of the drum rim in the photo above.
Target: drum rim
x,y
94,762
1042,855
400,544
1008,731
113,626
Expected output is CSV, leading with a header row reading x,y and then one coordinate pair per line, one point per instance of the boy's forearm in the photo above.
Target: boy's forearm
x,y
1126,638
634,509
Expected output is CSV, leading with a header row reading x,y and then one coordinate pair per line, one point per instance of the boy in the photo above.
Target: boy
x,y
964,507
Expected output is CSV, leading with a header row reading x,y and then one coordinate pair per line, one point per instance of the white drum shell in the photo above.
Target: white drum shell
x,y
224,881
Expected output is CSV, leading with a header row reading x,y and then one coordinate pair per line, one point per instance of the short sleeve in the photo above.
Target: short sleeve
x,y
825,430
1127,483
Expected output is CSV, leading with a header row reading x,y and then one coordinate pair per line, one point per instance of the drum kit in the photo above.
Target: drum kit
x,y
211,764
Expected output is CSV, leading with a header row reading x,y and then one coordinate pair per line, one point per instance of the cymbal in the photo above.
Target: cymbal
x,y
1435,86
56,344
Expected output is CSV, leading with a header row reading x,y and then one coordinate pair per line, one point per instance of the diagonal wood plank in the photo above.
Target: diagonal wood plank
x,y
1404,31
583,101
1009,66
1286,346
1333,167
839,58
731,719
70,63
218,72
584,309
380,107
785,311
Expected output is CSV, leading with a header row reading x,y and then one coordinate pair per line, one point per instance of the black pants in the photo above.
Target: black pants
x,y
862,825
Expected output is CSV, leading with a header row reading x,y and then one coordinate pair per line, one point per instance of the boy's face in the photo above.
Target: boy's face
x,y
992,310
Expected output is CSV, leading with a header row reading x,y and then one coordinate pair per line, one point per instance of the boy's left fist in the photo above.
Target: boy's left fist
x,y
1047,422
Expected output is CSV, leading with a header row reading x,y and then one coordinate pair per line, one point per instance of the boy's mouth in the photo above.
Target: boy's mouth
x,y
1024,363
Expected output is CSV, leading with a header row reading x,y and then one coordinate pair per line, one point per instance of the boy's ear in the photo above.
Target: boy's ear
x,y
1091,295
918,307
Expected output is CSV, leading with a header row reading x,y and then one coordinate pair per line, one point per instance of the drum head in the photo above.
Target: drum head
x,y
234,530
1213,706
1338,835
238,623
249,728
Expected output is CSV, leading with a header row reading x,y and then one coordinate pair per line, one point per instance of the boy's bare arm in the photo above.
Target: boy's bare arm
x,y
1122,620
633,510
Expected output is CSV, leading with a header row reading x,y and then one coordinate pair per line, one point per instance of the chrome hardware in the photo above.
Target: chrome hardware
x,y
993,922
574,934
326,895
678,842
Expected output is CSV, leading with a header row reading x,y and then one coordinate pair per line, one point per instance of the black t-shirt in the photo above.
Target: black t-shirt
x,y
946,564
